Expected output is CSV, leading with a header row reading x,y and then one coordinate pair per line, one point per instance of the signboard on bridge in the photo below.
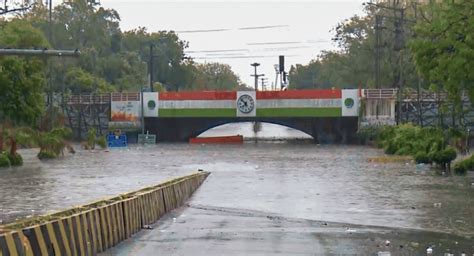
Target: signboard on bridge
x,y
150,104
350,102
124,115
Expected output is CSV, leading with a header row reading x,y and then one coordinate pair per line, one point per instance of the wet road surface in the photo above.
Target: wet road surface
x,y
203,230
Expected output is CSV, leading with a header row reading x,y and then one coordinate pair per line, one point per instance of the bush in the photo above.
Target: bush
x,y
102,142
369,134
444,157
4,161
422,158
46,155
15,160
464,165
91,138
459,168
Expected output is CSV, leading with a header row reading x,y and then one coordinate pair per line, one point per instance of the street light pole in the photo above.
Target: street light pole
x,y
50,71
255,65
151,67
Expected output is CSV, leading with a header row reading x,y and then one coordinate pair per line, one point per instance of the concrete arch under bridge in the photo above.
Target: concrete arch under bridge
x,y
322,129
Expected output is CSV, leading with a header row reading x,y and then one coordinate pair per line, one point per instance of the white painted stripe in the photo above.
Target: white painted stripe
x,y
300,103
183,104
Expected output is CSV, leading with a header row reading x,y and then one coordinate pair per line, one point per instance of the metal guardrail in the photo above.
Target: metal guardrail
x,y
105,98
379,93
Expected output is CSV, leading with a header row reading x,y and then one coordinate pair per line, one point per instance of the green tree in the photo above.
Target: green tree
x,y
21,79
81,81
444,47
215,76
352,65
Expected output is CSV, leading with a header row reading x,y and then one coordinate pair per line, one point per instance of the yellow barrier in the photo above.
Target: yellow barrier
x,y
94,228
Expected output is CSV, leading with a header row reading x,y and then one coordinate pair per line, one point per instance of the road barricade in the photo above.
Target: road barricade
x,y
96,227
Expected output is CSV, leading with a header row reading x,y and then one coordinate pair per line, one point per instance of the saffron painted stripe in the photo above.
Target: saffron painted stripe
x,y
212,112
300,94
299,112
179,104
299,103
209,95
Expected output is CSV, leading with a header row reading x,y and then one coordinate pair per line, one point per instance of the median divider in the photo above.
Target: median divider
x,y
96,227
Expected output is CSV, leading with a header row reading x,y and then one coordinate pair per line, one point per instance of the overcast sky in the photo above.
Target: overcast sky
x,y
242,32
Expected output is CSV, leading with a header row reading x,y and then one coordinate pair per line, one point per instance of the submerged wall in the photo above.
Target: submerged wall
x,y
93,228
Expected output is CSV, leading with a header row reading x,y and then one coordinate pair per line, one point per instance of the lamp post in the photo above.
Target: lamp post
x,y
255,65
255,75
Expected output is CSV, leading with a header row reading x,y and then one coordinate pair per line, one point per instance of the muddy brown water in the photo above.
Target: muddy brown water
x,y
330,183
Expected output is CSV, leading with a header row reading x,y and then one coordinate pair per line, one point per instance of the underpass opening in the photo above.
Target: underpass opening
x,y
257,130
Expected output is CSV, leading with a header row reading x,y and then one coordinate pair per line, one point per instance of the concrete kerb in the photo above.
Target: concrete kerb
x,y
96,227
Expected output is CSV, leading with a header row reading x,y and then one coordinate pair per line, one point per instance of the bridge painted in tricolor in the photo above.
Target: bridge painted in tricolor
x,y
327,115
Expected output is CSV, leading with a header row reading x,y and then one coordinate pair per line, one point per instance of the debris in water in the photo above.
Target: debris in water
x,y
387,243
174,219
350,231
429,251
414,244
437,205
383,254
147,227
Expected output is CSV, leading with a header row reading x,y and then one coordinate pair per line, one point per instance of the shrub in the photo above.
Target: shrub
x,y
465,165
53,143
102,142
47,155
459,168
444,157
369,134
4,161
422,158
91,138
15,160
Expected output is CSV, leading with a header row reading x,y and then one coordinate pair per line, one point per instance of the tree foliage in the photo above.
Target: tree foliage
x,y
21,79
215,76
352,64
116,60
444,46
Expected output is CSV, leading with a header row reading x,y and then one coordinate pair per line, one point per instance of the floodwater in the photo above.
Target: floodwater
x,y
296,180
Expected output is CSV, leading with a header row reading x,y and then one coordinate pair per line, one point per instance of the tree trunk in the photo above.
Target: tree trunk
x,y
1,140
13,147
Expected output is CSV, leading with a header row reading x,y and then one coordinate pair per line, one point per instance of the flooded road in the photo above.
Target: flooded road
x,y
307,181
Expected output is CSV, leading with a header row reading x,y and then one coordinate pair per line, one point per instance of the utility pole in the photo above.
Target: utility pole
x,y
399,45
151,66
378,40
264,85
255,75
50,71
277,73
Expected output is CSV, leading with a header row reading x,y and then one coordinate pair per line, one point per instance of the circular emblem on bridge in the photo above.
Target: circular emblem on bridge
x,y
151,104
349,102
245,104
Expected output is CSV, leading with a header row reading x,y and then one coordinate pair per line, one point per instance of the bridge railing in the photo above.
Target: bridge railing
x,y
104,98
379,93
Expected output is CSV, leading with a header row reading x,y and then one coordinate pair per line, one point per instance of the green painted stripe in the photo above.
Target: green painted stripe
x,y
299,112
196,112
